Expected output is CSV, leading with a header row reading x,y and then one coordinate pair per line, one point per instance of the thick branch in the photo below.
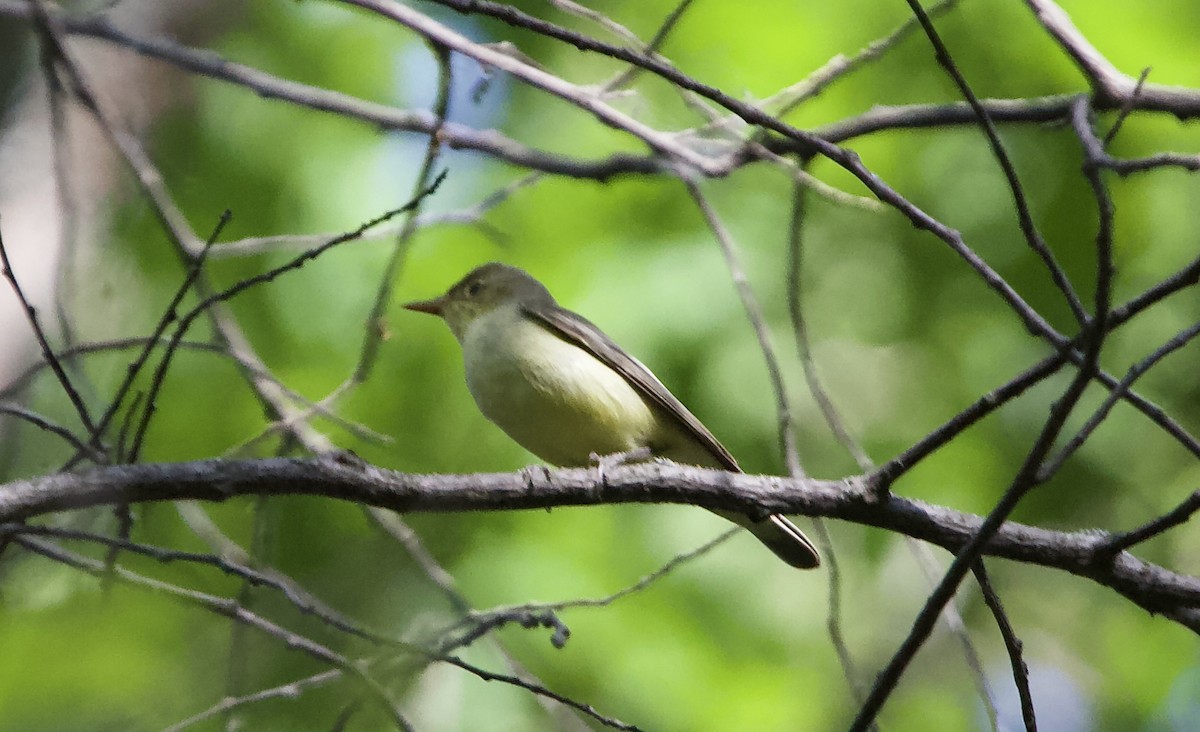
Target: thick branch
x,y
1152,587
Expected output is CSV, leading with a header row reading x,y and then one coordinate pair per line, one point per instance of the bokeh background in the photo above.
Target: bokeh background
x,y
904,336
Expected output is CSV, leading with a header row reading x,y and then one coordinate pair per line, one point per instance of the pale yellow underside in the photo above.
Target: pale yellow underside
x,y
560,402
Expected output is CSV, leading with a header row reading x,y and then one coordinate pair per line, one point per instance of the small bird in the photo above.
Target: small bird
x,y
562,389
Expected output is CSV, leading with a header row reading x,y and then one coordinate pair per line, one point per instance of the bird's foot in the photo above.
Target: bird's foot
x,y
605,463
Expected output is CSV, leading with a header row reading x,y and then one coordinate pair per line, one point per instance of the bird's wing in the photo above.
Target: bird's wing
x,y
579,331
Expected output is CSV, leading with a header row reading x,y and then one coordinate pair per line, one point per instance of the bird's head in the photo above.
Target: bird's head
x,y
482,291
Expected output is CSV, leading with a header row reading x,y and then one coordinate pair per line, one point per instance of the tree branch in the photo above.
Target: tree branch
x,y
1152,587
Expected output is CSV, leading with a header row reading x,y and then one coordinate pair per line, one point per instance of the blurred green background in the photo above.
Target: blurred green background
x,y
904,337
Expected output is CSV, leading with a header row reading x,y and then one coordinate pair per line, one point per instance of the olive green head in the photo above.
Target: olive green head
x,y
482,291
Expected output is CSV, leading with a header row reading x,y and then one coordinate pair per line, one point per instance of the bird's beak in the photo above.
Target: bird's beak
x,y
436,306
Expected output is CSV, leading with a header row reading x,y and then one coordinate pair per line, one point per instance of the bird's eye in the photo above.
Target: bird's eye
x,y
474,288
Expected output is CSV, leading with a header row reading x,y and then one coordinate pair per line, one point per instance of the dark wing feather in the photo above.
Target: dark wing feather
x,y
578,331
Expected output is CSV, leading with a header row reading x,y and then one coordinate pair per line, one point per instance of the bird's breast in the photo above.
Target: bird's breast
x,y
555,399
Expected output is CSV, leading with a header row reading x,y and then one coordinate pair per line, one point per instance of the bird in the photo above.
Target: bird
x,y
566,392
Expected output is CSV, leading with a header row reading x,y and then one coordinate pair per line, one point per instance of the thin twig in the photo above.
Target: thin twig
x,y
175,224
833,615
292,690
68,239
540,690
795,260
299,598
1026,477
837,68
754,314
966,556
1011,643
471,215
403,534
443,35
170,313
299,261
652,46
1033,237
1126,108
954,621
252,367
44,423
1128,166
1175,517
226,608
1188,276
1135,372
375,329
478,622
47,352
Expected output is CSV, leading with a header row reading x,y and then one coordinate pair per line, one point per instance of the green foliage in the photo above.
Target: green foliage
x,y
904,337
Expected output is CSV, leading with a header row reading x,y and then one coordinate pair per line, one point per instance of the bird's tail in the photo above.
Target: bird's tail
x,y
782,537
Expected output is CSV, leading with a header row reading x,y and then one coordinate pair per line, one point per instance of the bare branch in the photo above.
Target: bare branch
x,y
52,360
1113,89
578,97
1175,517
44,423
259,279
290,690
211,65
478,622
1151,587
298,597
1011,642
1032,236
540,691
426,182
1024,481
229,609
754,315
170,313
1126,108
252,367
1135,372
